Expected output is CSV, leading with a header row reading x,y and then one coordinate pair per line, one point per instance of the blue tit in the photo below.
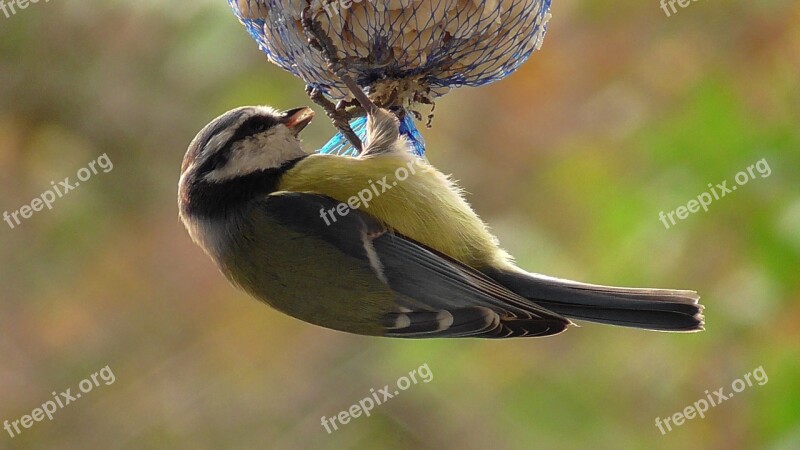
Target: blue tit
x,y
411,259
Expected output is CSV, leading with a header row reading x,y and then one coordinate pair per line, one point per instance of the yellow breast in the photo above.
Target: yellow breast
x,y
407,195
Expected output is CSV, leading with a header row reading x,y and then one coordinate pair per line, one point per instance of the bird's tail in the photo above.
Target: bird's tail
x,y
651,309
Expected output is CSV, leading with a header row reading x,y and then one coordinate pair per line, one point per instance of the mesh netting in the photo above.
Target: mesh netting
x,y
402,52
399,48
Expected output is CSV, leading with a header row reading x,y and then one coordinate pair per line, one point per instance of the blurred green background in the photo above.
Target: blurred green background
x,y
623,113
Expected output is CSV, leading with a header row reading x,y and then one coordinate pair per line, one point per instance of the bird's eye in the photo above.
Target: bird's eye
x,y
258,124
258,127
252,127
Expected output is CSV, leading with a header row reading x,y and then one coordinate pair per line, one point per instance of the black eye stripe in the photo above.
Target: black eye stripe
x,y
251,126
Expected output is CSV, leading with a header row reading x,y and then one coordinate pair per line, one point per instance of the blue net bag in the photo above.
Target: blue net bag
x,y
402,52
338,145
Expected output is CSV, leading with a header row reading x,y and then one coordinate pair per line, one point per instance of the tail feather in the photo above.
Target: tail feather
x,y
651,309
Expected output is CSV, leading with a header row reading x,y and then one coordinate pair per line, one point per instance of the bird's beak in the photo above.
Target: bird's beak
x,y
297,119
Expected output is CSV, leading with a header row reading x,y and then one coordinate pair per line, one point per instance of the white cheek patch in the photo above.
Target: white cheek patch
x,y
267,150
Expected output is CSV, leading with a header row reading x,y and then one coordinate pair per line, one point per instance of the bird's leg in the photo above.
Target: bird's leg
x,y
340,121
355,108
322,42
339,115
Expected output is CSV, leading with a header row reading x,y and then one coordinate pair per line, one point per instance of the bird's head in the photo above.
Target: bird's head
x,y
237,152
245,140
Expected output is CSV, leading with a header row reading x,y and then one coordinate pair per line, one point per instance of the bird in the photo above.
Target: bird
x,y
378,244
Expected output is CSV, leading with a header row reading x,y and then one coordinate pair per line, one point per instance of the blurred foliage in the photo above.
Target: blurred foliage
x,y
624,113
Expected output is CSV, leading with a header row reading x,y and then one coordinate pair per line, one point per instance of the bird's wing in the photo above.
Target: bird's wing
x,y
438,296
